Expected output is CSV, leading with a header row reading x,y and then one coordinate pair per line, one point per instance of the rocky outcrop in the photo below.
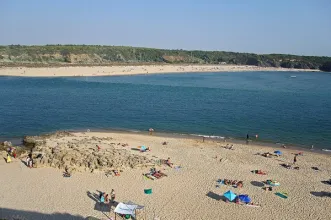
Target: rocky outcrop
x,y
81,154
33,141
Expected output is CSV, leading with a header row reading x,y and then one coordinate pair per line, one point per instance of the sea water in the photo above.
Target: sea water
x,y
274,105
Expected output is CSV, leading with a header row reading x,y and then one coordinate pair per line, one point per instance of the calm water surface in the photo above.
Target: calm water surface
x,y
272,104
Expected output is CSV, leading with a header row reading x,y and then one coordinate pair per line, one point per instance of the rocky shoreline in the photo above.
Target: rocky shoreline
x,y
63,151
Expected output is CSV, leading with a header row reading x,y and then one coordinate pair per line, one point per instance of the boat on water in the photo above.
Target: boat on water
x,y
293,76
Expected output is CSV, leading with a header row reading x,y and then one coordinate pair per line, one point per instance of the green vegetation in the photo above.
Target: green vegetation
x,y
16,55
326,67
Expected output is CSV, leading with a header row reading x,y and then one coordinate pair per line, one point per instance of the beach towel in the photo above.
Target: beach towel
x,y
283,195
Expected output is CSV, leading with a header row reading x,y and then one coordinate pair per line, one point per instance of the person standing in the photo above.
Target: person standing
x,y
112,195
295,159
247,138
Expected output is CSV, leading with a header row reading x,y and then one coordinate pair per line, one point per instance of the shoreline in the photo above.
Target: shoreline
x,y
79,71
209,138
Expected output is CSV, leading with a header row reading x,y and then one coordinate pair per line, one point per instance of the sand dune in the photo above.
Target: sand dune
x,y
186,193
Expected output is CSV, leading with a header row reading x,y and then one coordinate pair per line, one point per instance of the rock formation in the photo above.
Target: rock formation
x,y
71,154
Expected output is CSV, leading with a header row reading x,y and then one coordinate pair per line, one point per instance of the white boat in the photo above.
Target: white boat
x,y
293,76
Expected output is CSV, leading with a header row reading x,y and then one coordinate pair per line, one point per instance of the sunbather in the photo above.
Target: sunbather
x,y
168,162
240,184
259,172
267,188
145,149
266,154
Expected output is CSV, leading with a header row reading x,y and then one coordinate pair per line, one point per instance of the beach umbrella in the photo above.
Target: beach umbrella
x,y
230,195
244,198
278,152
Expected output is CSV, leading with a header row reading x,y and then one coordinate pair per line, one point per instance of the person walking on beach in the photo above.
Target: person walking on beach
x,y
247,138
295,159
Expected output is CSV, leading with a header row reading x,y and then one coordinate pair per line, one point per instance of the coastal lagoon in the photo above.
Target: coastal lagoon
x,y
293,108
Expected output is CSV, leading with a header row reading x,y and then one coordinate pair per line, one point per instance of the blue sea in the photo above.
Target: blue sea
x,y
274,105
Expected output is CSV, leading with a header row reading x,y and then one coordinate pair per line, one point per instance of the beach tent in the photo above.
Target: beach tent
x,y
278,152
230,195
244,198
128,208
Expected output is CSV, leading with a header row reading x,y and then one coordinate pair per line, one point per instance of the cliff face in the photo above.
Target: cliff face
x,y
107,55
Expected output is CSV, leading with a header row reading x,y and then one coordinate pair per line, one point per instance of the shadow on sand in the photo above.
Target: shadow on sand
x,y
102,207
11,214
256,183
321,194
215,196
326,182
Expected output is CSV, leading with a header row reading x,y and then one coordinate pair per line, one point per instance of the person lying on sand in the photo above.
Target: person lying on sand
x,y
267,155
153,172
259,172
228,147
145,149
289,166
267,188
233,183
116,173
240,184
168,162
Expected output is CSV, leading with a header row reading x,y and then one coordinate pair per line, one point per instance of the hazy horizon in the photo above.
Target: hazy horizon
x,y
283,27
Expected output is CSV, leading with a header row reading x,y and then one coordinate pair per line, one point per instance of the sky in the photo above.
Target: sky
x,y
301,27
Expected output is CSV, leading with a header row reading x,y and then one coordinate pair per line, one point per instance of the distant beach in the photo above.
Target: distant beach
x,y
130,70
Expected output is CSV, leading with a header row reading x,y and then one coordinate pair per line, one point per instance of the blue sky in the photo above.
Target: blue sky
x,y
259,26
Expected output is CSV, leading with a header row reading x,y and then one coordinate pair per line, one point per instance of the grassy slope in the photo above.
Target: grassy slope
x,y
55,55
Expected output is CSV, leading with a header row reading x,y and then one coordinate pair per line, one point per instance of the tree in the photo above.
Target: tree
x,y
326,67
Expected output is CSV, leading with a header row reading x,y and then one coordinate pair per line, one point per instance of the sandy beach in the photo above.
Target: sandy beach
x,y
188,192
130,70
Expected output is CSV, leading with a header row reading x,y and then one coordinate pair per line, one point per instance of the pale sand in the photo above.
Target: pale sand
x,y
181,195
129,70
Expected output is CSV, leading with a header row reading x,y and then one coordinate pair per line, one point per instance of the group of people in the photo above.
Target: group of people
x,y
11,152
235,183
104,198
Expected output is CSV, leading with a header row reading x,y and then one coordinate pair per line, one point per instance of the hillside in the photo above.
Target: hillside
x,y
59,55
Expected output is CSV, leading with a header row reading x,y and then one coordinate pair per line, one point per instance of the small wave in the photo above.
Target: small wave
x,y
208,136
